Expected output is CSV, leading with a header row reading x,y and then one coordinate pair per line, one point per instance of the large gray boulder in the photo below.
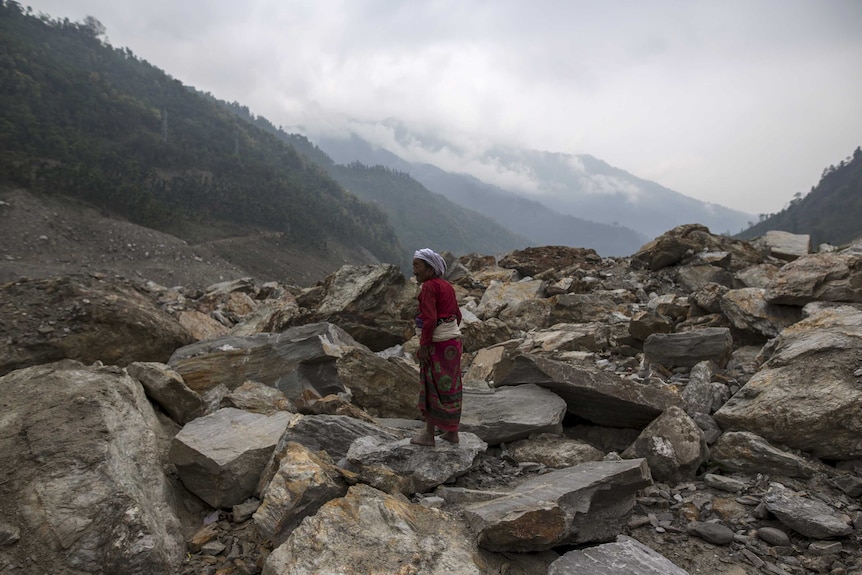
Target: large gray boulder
x,y
300,362
303,483
83,480
805,515
408,468
373,533
625,556
384,387
833,277
597,396
673,445
747,452
221,457
687,349
511,413
373,303
587,503
167,389
84,318
805,396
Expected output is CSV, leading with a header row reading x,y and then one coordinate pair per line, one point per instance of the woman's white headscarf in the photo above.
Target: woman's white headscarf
x,y
435,260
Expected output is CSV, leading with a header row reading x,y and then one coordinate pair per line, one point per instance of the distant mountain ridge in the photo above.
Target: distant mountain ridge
x,y
520,214
580,186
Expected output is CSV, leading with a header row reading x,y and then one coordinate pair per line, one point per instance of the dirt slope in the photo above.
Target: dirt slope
x,y
43,236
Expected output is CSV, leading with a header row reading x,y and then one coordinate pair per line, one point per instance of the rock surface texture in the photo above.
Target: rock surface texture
x,y
694,408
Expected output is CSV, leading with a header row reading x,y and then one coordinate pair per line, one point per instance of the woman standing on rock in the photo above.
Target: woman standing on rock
x,y
438,327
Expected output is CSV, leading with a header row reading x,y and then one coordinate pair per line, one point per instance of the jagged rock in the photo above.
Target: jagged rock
x,y
784,401
82,472
784,245
596,306
689,348
804,515
567,337
707,424
597,396
370,532
724,483
257,398
271,316
303,483
701,394
478,334
488,367
108,320
694,277
526,315
748,311
332,434
200,325
335,405
849,484
221,457
300,362
626,556
512,413
369,289
407,468
554,451
166,388
670,305
586,503
758,276
535,260
500,295
673,445
835,277
686,241
646,323
9,534
749,453
383,387
709,297
373,303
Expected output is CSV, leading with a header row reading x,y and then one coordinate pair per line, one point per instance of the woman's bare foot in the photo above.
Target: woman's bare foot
x,y
451,436
423,439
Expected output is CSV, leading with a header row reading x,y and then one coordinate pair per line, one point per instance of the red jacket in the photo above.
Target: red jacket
x,y
437,301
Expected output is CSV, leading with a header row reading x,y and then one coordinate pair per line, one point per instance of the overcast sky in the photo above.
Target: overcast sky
x,y
738,102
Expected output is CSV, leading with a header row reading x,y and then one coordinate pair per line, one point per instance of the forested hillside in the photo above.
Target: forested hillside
x,y
81,118
420,217
830,213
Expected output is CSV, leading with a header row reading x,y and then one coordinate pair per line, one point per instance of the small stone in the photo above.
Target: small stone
x,y
244,511
752,558
9,534
213,547
773,536
825,547
432,502
724,483
714,533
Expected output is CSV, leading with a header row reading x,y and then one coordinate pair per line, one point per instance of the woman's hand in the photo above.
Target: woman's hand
x,y
424,352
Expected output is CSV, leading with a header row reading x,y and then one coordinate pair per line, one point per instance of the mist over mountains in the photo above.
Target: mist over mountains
x,y
580,186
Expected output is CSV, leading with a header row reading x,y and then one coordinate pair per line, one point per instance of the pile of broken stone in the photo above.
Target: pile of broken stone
x,y
692,408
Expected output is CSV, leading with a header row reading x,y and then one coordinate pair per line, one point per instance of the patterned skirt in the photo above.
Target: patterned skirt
x,y
440,385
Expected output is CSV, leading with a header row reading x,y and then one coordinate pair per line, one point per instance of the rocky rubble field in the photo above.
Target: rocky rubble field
x,y
694,408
